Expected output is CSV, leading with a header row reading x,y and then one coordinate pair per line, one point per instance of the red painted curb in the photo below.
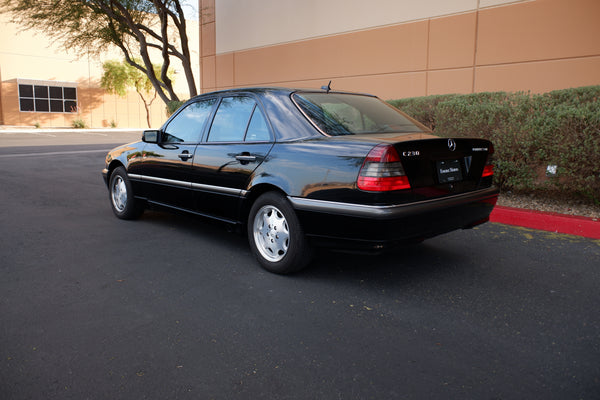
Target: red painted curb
x,y
546,221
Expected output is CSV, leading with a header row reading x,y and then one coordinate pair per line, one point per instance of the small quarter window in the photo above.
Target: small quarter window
x,y
257,129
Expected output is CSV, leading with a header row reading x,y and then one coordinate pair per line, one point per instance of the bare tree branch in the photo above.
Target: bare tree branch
x,y
144,30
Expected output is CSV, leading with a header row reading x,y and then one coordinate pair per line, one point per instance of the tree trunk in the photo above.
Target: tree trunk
x,y
147,106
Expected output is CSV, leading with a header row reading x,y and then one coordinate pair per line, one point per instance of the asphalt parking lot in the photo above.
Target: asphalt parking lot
x,y
173,307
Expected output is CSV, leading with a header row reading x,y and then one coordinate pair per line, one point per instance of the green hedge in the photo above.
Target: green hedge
x,y
529,133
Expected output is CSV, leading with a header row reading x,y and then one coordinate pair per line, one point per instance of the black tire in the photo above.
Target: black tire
x,y
122,201
275,235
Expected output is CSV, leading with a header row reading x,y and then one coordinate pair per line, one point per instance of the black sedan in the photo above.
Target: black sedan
x,y
305,168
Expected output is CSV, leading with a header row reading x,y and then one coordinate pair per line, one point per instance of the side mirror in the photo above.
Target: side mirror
x,y
151,136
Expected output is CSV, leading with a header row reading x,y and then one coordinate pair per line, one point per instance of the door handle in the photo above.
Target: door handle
x,y
245,158
185,156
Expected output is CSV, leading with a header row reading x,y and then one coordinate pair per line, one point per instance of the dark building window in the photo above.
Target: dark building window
x,y
26,105
56,92
41,92
41,105
43,98
26,91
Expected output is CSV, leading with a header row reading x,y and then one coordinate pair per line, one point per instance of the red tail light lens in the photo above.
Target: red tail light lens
x,y
382,171
488,169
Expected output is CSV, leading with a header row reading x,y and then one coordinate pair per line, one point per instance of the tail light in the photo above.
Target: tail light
x,y
382,171
488,169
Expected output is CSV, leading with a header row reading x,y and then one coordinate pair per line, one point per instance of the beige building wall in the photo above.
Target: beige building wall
x,y
402,48
32,57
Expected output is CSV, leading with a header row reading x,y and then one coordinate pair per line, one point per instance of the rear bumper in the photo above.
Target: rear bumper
x,y
383,226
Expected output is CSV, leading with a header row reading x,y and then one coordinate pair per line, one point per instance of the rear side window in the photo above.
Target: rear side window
x,y
187,125
347,114
238,119
257,129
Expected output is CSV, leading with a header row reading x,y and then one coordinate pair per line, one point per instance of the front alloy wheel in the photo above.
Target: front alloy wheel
x,y
124,204
118,194
275,235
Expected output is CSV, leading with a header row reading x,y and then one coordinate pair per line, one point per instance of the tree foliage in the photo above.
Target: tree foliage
x,y
144,31
120,77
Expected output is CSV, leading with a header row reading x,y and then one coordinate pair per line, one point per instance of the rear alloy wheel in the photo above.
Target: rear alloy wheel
x,y
124,204
275,235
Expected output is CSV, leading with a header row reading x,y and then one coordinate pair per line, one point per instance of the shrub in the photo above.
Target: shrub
x,y
529,133
78,123
422,109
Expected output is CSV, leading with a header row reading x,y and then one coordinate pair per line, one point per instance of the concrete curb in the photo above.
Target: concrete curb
x,y
547,221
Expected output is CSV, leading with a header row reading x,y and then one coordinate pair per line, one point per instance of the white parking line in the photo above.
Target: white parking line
x,y
53,153
94,133
42,134
28,133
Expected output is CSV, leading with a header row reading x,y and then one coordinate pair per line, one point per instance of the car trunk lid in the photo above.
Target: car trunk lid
x,y
432,165
457,164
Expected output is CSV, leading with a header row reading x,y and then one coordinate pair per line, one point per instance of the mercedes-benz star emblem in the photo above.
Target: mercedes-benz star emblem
x,y
451,144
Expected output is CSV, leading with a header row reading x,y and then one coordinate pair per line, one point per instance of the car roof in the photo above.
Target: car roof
x,y
286,125
276,90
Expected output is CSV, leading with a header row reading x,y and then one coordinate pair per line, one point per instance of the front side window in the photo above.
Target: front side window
x,y
347,114
188,124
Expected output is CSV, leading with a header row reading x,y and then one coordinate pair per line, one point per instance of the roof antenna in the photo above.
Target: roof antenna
x,y
328,87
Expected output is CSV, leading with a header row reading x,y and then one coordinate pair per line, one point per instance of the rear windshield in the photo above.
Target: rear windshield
x,y
348,114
